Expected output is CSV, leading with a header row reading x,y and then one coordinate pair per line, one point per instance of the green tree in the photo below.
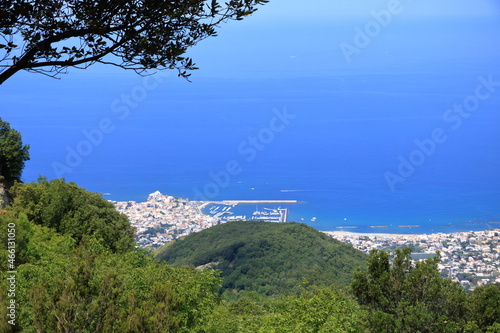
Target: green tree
x,y
71,210
63,288
269,258
50,36
13,154
484,307
315,310
97,292
33,246
407,297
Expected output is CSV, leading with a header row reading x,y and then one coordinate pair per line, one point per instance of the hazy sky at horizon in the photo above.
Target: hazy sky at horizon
x,y
345,9
320,26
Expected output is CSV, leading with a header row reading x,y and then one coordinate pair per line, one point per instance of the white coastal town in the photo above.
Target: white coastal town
x,y
471,258
162,218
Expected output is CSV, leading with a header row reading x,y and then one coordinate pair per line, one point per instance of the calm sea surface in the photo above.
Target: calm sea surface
x,y
407,134
358,150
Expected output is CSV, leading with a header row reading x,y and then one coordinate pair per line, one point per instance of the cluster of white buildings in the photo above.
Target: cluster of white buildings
x,y
471,258
162,218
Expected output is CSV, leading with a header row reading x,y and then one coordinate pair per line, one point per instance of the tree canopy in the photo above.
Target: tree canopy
x,y
71,210
69,278
49,36
407,297
314,310
13,154
484,308
64,286
76,270
269,258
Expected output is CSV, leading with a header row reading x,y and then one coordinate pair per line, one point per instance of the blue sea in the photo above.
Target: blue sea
x,y
337,145
407,135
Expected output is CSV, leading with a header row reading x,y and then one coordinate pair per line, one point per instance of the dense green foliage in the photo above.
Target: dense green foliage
x,y
484,308
316,309
74,276
13,154
407,297
269,258
74,281
71,210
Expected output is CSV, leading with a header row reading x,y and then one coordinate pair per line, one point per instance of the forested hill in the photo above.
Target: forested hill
x,y
270,258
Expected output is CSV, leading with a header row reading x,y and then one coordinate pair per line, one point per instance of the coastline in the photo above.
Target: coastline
x,y
412,229
244,210
395,235
162,218
317,214
467,257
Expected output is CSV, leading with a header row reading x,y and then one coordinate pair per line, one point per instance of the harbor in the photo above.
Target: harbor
x,y
242,210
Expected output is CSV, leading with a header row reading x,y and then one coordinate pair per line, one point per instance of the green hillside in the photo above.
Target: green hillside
x,y
270,258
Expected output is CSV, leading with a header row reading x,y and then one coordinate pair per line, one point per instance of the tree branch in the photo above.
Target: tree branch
x,y
145,35
24,61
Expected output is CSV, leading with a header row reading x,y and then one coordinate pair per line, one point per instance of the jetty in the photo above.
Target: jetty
x,y
237,202
244,202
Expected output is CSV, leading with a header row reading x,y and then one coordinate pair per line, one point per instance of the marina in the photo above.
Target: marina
x,y
281,211
238,210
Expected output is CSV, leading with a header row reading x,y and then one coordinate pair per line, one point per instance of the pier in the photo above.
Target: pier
x,y
255,202
233,202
